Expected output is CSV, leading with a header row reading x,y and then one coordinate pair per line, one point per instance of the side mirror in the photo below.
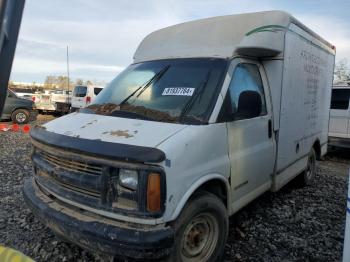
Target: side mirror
x,y
249,105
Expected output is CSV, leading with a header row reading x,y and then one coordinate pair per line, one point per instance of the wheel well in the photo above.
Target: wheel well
x,y
317,147
216,187
23,108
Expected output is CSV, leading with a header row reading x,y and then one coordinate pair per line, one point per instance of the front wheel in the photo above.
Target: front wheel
x,y
201,230
20,116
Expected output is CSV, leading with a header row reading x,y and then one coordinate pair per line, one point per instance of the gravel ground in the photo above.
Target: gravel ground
x,y
294,224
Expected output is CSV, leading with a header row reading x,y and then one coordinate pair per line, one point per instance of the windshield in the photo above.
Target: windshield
x,y
176,90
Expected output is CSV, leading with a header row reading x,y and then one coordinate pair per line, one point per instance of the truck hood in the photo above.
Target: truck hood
x,y
114,129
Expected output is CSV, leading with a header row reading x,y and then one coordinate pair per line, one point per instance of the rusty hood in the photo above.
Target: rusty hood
x,y
113,129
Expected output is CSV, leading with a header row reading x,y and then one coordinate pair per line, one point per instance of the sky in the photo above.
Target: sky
x,y
103,35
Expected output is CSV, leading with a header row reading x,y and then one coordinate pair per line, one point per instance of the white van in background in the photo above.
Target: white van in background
x,y
339,123
83,95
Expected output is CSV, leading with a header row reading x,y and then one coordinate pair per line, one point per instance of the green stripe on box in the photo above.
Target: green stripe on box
x,y
266,28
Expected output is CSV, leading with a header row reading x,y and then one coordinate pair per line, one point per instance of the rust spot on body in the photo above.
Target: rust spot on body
x,y
89,123
124,133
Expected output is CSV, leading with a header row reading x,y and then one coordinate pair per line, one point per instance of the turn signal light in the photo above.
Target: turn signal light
x,y
153,192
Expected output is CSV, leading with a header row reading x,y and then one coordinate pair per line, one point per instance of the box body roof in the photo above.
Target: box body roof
x,y
212,37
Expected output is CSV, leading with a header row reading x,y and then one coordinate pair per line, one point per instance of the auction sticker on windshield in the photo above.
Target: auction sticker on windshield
x,y
178,91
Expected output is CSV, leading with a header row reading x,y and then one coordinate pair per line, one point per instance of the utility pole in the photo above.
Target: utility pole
x,y
67,70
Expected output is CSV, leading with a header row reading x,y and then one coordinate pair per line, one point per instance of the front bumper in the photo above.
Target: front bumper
x,y
97,233
339,142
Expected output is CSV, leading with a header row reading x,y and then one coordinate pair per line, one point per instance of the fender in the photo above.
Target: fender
x,y
21,107
197,185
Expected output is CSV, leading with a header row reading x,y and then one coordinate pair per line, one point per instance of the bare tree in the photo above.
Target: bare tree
x,y
79,81
50,82
58,82
342,71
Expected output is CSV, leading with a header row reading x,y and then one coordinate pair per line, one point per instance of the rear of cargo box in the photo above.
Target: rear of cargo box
x,y
305,100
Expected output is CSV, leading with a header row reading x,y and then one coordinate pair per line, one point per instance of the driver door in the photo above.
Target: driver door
x,y
252,144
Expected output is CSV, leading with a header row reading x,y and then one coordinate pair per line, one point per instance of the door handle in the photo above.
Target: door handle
x,y
270,128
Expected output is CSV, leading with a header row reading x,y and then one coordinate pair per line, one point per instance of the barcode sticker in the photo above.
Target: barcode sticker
x,y
178,91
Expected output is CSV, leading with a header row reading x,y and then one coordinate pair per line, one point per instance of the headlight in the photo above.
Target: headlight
x,y
128,178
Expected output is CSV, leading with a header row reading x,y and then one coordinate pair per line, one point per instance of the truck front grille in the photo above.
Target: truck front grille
x,y
90,180
72,165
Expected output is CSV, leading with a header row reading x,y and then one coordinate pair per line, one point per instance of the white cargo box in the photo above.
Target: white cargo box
x,y
298,64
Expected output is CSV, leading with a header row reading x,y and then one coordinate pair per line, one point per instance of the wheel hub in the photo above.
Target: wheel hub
x,y
195,240
200,238
21,117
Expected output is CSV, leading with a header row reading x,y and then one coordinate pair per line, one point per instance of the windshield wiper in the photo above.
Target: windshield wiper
x,y
143,87
195,96
130,114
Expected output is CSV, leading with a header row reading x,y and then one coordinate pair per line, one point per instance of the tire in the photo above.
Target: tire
x,y
308,175
20,116
200,230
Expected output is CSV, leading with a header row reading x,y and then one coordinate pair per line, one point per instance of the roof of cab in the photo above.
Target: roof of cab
x,y
211,37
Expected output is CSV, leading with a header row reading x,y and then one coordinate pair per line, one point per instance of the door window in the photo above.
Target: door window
x,y
10,94
246,77
97,90
340,99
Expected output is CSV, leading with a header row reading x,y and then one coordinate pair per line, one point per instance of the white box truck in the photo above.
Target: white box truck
x,y
210,115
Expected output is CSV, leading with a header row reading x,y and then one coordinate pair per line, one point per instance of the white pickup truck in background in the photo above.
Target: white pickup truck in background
x,y
58,101
43,101
61,100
